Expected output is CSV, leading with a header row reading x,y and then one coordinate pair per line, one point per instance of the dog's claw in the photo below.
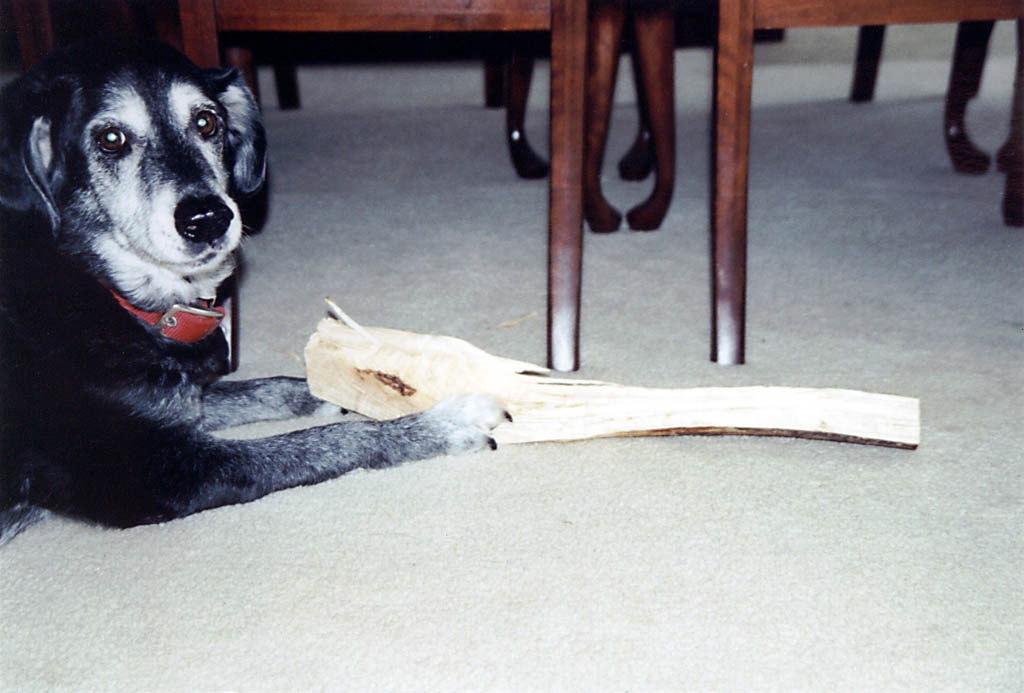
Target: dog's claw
x,y
465,422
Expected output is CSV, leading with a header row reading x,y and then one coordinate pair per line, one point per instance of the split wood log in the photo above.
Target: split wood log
x,y
384,373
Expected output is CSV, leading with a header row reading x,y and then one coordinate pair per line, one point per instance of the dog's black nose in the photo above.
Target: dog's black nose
x,y
202,219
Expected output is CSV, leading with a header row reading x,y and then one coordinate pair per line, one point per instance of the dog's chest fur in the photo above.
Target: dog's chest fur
x,y
64,331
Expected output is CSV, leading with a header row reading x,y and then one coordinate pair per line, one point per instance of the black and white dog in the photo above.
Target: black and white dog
x,y
120,166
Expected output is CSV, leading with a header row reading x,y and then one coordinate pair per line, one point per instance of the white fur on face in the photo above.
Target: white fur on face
x,y
137,193
186,101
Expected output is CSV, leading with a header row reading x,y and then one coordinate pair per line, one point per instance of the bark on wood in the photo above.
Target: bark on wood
x,y
384,373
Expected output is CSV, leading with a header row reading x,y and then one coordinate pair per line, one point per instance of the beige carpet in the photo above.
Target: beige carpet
x,y
672,564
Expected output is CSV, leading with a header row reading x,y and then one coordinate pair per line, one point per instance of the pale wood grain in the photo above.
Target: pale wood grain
x,y
384,373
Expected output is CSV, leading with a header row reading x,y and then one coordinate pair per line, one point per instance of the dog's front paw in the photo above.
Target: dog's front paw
x,y
465,422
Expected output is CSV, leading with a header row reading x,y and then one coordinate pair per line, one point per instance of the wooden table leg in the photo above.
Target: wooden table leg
x,y
199,39
638,162
870,39
34,28
655,39
241,59
734,63
565,222
1011,155
519,73
604,46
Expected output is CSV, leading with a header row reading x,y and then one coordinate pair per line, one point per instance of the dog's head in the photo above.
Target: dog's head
x,y
135,156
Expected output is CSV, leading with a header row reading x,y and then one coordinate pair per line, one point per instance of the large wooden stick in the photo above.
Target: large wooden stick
x,y
384,373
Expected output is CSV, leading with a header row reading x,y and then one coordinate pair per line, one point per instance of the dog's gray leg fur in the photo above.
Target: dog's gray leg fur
x,y
239,471
234,403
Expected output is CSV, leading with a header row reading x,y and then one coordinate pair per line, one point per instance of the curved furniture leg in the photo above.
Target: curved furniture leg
x,y
527,162
638,162
1011,155
964,78
655,43
605,41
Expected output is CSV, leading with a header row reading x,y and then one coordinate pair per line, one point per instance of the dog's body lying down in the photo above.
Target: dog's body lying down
x,y
120,163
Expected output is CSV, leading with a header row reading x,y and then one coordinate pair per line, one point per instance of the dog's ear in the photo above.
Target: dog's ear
x,y
246,139
40,161
31,163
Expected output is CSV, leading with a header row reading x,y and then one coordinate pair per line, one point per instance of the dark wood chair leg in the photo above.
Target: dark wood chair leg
x,y
565,221
495,60
964,79
34,27
734,59
865,69
286,82
242,59
638,162
603,50
199,38
1011,155
527,163
285,76
655,44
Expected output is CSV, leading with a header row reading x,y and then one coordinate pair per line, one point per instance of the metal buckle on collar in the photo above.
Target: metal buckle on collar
x,y
168,319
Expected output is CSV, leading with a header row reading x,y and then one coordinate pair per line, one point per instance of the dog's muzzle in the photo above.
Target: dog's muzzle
x,y
202,219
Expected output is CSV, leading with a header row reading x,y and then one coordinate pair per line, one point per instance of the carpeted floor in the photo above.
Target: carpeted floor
x,y
670,564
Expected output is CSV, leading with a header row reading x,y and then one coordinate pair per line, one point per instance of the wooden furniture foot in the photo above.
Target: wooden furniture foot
x,y
655,44
519,73
605,40
638,162
964,79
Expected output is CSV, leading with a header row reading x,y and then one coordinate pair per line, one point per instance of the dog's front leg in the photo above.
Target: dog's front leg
x,y
177,471
217,472
233,403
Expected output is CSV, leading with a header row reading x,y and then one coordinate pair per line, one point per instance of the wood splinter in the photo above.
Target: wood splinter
x,y
384,373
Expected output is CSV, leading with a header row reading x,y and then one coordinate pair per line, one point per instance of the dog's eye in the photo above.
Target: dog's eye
x,y
206,123
112,140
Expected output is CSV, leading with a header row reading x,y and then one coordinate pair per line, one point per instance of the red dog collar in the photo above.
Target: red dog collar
x,y
181,323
